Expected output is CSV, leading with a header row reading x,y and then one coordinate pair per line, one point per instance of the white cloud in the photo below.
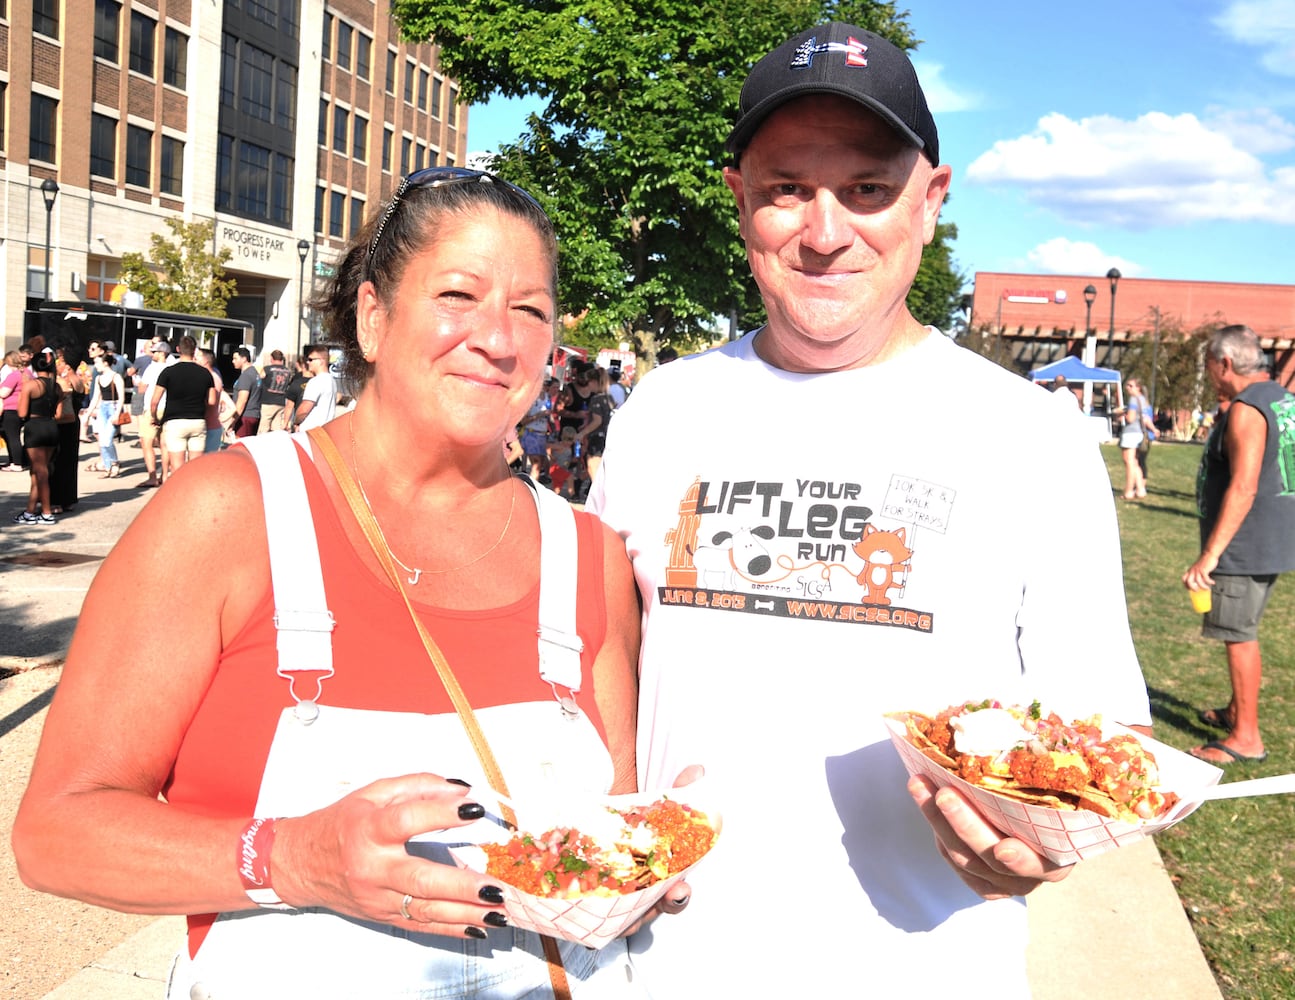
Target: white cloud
x,y
1062,256
1155,170
1256,130
941,97
1266,24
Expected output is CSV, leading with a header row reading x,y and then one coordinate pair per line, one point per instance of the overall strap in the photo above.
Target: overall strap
x,y
560,645
301,617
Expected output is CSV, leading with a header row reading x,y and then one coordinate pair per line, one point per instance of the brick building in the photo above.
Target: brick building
x,y
284,121
1042,317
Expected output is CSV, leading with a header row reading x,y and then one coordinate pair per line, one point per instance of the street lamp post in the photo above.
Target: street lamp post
x,y
1114,275
1090,343
303,250
48,191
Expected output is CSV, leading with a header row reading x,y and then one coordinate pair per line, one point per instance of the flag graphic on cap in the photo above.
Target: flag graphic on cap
x,y
855,52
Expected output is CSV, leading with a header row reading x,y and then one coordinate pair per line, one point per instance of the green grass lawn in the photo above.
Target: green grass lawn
x,y
1233,861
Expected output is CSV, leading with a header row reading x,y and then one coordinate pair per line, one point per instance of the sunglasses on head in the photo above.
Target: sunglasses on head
x,y
435,177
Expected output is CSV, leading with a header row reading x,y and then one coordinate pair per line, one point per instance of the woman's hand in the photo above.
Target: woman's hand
x,y
350,857
992,865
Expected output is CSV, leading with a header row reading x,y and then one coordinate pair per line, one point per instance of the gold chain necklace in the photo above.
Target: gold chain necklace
x,y
416,572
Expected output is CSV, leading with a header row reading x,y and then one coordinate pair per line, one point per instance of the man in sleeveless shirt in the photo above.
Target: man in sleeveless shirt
x,y
1246,494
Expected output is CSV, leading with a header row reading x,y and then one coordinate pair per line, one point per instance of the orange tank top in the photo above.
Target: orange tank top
x,y
380,665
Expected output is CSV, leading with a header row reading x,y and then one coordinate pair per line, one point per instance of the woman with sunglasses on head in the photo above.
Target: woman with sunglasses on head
x,y
289,766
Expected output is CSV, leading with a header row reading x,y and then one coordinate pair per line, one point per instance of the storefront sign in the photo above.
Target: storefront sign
x,y
250,246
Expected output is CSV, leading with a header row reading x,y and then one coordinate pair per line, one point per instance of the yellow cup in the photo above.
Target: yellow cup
x,y
1201,601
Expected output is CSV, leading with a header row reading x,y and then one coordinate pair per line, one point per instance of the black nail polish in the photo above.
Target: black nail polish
x,y
496,919
491,894
471,810
458,781
474,932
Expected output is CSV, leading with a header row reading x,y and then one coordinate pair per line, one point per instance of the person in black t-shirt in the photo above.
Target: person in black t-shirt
x,y
190,393
274,385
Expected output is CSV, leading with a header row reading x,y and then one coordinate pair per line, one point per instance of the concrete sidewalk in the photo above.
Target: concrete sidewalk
x,y
1114,928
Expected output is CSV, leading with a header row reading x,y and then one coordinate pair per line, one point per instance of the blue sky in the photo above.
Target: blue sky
x,y
1156,136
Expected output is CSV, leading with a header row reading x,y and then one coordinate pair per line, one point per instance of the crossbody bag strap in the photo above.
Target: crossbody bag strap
x,y
373,532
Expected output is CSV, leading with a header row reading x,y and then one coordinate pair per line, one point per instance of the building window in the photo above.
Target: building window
x,y
340,129
224,172
326,46
252,184
393,63
44,128
344,32
139,156
406,155
285,95
360,138
410,70
323,121
44,17
422,89
172,166
363,46
420,158
336,209
253,181
387,137
452,111
436,98
4,110
103,146
357,217
281,195
107,19
142,30
319,209
228,69
255,83
175,59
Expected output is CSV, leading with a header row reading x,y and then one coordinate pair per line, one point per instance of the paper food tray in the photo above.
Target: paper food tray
x,y
1067,836
594,921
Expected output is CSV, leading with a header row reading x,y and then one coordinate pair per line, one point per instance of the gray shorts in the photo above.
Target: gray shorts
x,y
1238,605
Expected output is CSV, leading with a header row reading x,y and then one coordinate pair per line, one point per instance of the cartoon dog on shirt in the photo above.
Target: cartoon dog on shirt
x,y
732,555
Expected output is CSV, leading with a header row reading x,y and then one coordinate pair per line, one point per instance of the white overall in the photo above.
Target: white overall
x,y
321,752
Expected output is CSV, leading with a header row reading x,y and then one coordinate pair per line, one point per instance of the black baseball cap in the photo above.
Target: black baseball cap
x,y
838,59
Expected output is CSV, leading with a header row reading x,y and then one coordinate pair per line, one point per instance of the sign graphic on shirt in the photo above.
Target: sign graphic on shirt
x,y
1284,418
809,548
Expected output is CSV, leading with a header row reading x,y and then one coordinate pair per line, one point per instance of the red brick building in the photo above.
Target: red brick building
x,y
1042,316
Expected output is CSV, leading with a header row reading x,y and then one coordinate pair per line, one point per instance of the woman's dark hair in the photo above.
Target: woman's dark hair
x,y
42,362
412,229
107,358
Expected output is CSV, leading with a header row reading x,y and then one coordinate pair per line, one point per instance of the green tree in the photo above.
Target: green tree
x,y
937,289
627,151
184,275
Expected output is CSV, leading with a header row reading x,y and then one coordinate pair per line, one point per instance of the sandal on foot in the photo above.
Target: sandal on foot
x,y
1218,718
47,519
1237,758
114,472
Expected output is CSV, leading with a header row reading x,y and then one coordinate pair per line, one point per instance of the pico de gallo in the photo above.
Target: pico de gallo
x,y
620,852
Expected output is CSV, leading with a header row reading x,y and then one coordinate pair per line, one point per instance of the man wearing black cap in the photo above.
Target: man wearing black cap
x,y
826,539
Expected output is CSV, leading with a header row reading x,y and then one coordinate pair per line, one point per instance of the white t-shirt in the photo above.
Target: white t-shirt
x,y
814,551
322,391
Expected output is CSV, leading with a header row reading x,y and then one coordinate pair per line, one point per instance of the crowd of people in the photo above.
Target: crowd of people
x,y
172,395
563,433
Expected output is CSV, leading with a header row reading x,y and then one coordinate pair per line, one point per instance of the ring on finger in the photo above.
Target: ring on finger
x,y
404,906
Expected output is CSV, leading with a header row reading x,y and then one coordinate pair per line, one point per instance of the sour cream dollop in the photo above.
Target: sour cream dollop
x,y
987,732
